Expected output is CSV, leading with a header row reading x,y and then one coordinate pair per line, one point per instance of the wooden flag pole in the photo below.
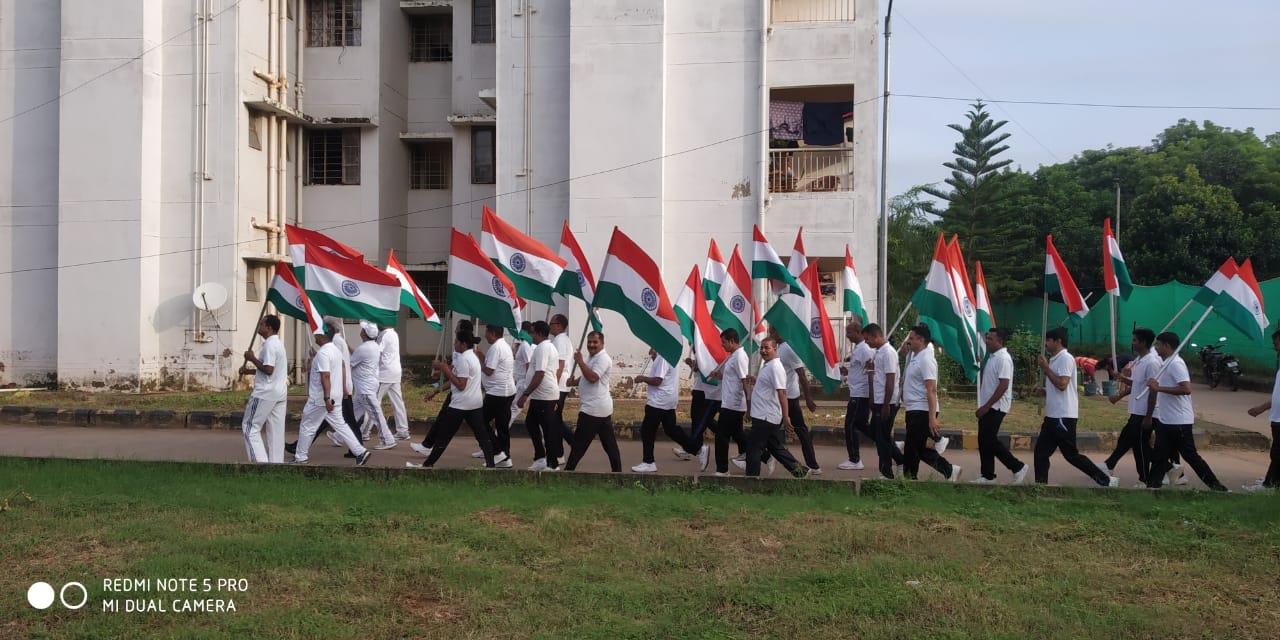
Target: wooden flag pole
x,y
1044,322
586,328
261,314
1115,365
1186,340
899,320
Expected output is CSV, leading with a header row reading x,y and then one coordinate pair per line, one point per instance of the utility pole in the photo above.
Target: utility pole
x,y
1117,182
882,291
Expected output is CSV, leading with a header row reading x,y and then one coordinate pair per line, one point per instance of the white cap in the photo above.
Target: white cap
x,y
368,328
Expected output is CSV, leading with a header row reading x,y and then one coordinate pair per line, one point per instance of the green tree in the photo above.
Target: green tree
x,y
911,239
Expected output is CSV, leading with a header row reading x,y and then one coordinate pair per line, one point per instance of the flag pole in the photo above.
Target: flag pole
x,y
1114,364
586,327
900,317
1177,315
1044,321
261,314
1185,341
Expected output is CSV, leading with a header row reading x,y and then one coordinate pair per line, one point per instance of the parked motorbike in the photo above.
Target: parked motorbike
x,y
1219,364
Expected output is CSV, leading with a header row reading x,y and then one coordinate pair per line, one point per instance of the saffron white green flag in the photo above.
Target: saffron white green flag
x,y
631,284
531,266
477,287
939,306
697,327
715,272
853,304
1115,274
1241,304
352,289
766,265
802,321
986,319
290,299
411,297
733,307
799,261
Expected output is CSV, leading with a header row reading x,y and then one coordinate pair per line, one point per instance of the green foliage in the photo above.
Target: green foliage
x,y
911,239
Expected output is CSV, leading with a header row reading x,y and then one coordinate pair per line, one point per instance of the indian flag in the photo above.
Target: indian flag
x,y
938,303
766,265
534,268
715,272
299,239
1057,280
291,300
697,327
411,296
477,287
577,280
986,319
964,292
853,304
801,320
1241,304
1115,275
631,284
733,307
352,289
1208,294
799,261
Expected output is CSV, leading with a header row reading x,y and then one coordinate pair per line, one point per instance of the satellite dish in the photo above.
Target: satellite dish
x,y
209,297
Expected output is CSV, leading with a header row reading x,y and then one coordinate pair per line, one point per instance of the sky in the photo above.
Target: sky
x,y
1165,52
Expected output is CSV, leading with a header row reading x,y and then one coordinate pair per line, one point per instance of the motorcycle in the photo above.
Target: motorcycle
x,y
1218,364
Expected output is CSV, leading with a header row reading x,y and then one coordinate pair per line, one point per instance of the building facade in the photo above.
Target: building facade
x,y
152,146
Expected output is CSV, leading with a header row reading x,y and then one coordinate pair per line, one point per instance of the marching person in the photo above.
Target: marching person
x,y
1169,409
389,377
885,397
324,393
1272,409
270,395
523,352
428,440
541,393
499,394
857,415
595,415
704,405
465,404
995,398
337,330
564,356
733,397
364,373
920,400
797,387
1061,410
662,392
769,414
1133,437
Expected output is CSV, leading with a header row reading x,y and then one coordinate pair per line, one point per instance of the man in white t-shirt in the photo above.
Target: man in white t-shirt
x,y
1169,399
704,405
466,401
733,378
564,358
995,398
595,415
885,397
1133,380
1061,410
920,399
389,377
499,393
797,389
364,374
857,415
324,395
541,393
769,414
662,392
270,395
1271,480
522,353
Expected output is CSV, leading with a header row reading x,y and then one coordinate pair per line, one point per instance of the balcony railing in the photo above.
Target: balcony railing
x,y
812,10
811,170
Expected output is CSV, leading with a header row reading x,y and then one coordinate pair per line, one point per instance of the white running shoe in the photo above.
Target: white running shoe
x,y
1256,487
741,457
538,465
418,448
1113,482
722,474
741,464
773,465
1021,474
477,454
900,445
849,465
415,465
1181,474
386,445
503,462
681,454
300,461
981,480
1102,466
645,467
941,445
815,471
704,458
955,473
402,436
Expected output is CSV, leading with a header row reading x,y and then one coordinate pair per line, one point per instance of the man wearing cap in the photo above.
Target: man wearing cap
x,y
324,392
364,372
389,374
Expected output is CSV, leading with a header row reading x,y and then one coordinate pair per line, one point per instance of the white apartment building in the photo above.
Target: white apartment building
x,y
150,146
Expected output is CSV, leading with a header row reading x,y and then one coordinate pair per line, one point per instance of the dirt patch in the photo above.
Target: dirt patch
x,y
430,609
498,517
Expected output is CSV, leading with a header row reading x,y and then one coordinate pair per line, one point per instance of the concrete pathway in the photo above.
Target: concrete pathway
x,y
1230,408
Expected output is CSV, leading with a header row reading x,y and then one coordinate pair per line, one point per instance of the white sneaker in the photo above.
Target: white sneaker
x,y
1113,482
681,454
722,474
741,464
552,469
645,467
415,465
941,445
402,436
773,465
1021,474
300,461
477,454
741,457
503,463
981,480
538,465
1140,485
955,473
1181,475
704,458
1102,466
815,471
900,445
849,465
386,445
1256,487
418,448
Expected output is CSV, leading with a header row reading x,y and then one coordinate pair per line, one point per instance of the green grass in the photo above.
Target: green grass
x,y
503,556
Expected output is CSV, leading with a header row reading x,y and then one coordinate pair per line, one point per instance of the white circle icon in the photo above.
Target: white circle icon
x,y
84,595
40,595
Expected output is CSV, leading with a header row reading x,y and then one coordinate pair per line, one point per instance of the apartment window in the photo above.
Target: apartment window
x,y
251,292
482,22
434,285
333,23
255,139
431,39
333,156
482,155
429,165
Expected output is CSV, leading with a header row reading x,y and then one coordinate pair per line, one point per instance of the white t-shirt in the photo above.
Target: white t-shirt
x,y
857,366
364,367
520,364
274,387
732,396
999,367
327,360
1144,369
544,359
1274,416
597,399
764,396
709,391
498,357
467,365
1174,409
886,362
389,364
1065,403
564,352
791,362
665,394
340,342
920,367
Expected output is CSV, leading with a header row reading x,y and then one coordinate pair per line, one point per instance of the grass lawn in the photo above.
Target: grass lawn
x,y
475,555
1096,414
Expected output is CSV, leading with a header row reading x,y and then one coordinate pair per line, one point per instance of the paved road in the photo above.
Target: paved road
x,y
1234,467
1230,408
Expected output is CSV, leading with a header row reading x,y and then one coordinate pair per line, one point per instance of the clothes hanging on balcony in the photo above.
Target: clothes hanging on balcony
x,y
823,122
785,119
